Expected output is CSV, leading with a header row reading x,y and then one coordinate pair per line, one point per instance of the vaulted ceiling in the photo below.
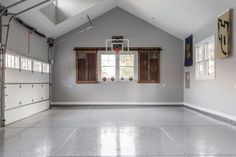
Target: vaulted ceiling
x,y
177,17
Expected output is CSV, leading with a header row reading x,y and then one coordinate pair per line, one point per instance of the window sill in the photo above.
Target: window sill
x,y
86,82
125,81
205,78
149,82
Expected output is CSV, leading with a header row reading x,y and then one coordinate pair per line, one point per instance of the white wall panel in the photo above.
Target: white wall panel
x,y
25,111
20,95
16,76
27,94
11,102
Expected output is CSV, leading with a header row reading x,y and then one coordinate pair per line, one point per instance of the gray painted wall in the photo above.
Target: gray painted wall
x,y
218,94
141,34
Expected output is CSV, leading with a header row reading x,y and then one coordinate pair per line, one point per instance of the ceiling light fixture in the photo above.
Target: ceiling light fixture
x,y
55,2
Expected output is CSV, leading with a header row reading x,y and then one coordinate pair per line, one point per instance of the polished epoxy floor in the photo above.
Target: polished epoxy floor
x,y
118,131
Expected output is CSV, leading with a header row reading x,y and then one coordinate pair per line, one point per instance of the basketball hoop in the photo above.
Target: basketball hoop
x,y
117,50
117,44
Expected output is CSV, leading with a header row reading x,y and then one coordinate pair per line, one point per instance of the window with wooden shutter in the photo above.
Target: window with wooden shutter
x,y
149,66
86,65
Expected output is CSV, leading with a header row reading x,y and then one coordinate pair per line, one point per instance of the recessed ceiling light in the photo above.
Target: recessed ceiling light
x,y
153,18
54,2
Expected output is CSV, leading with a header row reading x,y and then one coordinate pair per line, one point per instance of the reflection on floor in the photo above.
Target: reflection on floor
x,y
118,131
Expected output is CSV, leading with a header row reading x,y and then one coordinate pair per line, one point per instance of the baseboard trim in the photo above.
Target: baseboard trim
x,y
209,112
213,113
119,103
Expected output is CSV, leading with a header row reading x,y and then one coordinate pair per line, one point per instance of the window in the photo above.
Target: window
x,y
12,61
37,66
45,68
117,67
108,66
127,66
149,66
205,59
26,64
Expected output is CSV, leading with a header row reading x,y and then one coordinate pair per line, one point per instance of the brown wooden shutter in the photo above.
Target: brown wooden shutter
x,y
92,66
154,70
149,66
82,70
86,66
143,63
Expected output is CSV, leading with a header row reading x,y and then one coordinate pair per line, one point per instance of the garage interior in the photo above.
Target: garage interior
x,y
117,78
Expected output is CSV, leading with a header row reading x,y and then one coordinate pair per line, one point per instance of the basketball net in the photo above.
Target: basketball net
x,y
117,50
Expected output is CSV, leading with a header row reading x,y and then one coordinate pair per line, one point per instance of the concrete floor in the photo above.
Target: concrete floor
x,y
118,131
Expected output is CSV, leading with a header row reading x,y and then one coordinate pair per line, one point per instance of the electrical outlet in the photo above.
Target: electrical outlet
x,y
235,86
164,85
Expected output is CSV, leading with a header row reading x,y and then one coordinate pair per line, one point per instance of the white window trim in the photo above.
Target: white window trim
x,y
203,42
135,53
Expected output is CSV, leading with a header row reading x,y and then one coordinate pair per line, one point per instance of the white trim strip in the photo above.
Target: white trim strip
x,y
203,109
212,112
117,103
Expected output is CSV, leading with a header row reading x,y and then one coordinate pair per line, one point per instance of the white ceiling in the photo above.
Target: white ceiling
x,y
177,17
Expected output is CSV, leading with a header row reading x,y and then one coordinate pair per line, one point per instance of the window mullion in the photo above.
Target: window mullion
x,y
117,67
204,60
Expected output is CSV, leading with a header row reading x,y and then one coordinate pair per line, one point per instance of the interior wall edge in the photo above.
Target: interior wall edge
x,y
213,113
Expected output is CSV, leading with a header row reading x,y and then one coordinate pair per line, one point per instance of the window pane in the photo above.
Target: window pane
x,y
112,57
126,63
108,72
210,67
108,60
16,62
104,57
112,63
200,53
108,66
199,69
127,72
108,57
210,50
126,60
26,64
12,61
130,63
129,57
45,68
123,63
123,57
37,66
104,62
